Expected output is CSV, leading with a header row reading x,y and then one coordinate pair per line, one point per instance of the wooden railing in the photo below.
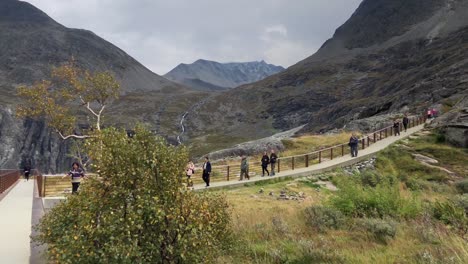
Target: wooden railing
x,y
8,178
230,172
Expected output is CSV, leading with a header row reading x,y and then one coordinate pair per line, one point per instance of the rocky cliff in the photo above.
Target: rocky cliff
x,y
389,57
211,75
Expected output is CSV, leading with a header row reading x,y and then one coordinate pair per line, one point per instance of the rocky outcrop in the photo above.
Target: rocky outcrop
x,y
256,146
454,124
30,142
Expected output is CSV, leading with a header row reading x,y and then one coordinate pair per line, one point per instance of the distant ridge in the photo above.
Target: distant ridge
x,y
211,75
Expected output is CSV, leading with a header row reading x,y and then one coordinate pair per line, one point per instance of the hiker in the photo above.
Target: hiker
x,y
206,171
396,127
434,113
429,113
76,174
353,144
189,171
27,171
244,168
265,162
405,122
273,158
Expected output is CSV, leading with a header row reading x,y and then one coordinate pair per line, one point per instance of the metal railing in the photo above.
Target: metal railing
x,y
8,178
230,172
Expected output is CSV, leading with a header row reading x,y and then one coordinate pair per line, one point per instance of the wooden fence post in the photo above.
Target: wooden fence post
x,y
292,163
228,172
307,160
374,137
331,153
320,156
342,150
279,166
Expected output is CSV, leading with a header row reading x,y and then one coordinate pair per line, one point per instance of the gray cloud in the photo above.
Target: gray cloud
x,y
163,33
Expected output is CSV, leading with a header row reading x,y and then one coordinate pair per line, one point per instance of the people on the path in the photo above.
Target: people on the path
x,y
405,122
396,127
429,113
77,174
353,144
189,171
206,171
273,158
265,162
434,113
27,171
244,168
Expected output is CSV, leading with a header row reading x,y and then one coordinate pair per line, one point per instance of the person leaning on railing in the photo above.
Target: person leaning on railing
x,y
76,174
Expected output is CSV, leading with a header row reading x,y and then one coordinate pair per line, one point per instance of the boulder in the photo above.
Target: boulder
x,y
454,124
425,159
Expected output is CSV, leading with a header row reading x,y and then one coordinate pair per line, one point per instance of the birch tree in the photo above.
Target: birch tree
x,y
69,93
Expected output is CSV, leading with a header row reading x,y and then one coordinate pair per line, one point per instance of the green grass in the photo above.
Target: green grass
x,y
269,230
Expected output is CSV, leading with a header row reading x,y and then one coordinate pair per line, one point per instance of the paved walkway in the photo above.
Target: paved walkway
x,y
318,168
15,223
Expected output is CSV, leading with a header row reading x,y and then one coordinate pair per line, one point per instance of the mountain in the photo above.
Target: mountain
x,y
211,75
389,57
31,43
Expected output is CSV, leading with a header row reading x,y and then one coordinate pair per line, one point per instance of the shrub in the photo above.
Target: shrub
x,y
452,214
136,210
370,178
440,138
462,186
321,218
380,229
354,199
462,201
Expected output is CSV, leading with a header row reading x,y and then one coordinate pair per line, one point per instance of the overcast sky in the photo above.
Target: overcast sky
x,y
163,33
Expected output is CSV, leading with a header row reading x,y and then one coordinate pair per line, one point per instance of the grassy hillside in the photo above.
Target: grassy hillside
x,y
399,212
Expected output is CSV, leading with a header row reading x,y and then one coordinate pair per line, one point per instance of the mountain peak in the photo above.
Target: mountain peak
x,y
223,75
19,12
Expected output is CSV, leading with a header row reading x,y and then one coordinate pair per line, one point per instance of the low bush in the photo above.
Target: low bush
x,y
355,200
462,186
452,214
321,218
462,201
380,229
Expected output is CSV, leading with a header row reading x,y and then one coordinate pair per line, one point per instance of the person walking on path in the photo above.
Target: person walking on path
x,y
405,122
206,171
189,171
396,127
353,144
265,162
273,158
27,171
244,168
76,174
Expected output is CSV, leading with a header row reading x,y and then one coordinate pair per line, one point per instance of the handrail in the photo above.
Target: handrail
x,y
320,154
228,172
8,179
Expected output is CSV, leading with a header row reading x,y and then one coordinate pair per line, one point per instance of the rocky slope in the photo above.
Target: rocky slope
x,y
211,75
389,57
31,43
